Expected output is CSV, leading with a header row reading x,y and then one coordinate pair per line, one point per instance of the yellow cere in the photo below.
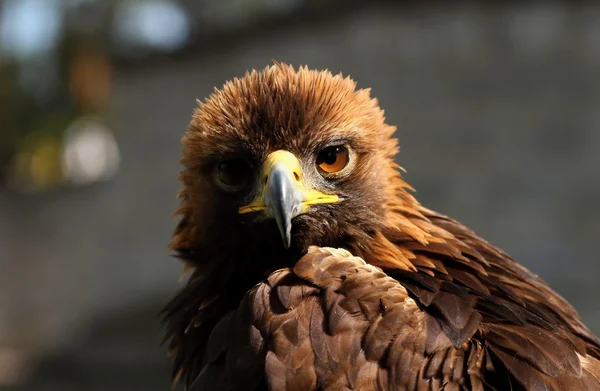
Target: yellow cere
x,y
285,157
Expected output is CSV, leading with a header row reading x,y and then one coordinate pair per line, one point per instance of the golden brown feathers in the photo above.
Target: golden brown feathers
x,y
282,101
407,299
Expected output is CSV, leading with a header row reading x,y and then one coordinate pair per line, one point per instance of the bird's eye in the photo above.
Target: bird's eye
x,y
333,159
233,175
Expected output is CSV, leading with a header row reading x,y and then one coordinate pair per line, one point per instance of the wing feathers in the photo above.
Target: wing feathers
x,y
334,322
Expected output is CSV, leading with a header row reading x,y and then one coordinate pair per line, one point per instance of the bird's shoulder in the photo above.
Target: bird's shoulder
x,y
465,272
477,292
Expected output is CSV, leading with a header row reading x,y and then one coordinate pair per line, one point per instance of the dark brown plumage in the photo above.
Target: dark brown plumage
x,y
375,292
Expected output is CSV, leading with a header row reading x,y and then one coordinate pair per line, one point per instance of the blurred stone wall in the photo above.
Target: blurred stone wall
x,y
498,111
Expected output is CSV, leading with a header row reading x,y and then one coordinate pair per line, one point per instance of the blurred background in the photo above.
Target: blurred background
x,y
498,109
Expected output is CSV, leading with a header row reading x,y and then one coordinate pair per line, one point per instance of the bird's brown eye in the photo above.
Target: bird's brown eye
x,y
233,174
333,159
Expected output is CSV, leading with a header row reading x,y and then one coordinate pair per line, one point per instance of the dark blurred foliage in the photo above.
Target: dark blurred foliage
x,y
497,104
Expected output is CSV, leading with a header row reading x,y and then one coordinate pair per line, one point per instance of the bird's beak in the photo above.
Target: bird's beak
x,y
284,194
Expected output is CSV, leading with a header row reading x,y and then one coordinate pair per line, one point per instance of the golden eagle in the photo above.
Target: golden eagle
x,y
314,268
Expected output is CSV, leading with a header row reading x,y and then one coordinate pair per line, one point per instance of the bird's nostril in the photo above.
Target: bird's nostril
x,y
296,175
265,180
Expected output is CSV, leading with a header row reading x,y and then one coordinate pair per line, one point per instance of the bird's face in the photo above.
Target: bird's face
x,y
288,190
304,190
270,165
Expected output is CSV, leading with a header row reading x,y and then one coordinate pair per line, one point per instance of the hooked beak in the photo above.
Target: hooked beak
x,y
284,194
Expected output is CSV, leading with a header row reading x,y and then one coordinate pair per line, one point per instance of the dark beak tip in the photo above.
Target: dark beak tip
x,y
287,236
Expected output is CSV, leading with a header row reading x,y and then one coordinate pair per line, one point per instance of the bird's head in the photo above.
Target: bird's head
x,y
284,158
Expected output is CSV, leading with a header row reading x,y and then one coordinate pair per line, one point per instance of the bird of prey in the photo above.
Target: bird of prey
x,y
315,268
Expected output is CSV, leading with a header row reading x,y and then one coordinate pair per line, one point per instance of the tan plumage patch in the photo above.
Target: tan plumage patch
x,y
590,365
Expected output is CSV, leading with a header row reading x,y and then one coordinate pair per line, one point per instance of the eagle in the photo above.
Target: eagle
x,y
313,266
